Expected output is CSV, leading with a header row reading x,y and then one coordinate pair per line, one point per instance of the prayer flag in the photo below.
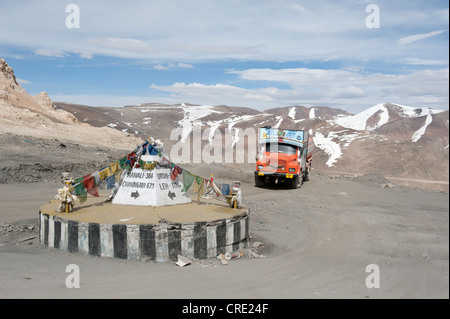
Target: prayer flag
x,y
80,189
122,162
188,179
114,167
176,170
199,186
89,184
111,181
104,173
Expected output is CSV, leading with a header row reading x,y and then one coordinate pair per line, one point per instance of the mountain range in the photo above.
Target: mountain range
x,y
388,139
397,141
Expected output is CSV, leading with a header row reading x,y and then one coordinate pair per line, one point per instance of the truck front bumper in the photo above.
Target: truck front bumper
x,y
273,175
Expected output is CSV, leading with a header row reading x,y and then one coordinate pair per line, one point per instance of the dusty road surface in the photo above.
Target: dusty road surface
x,y
318,241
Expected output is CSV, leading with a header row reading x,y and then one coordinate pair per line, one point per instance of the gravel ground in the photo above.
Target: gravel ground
x,y
316,243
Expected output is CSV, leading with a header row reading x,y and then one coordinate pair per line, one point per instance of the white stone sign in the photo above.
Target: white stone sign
x,y
150,188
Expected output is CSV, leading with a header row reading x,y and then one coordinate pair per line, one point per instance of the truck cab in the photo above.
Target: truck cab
x,y
284,156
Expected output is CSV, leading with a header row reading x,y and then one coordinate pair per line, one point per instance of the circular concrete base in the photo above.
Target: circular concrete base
x,y
195,230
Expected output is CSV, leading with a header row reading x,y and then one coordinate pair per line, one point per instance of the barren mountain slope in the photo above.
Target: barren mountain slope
x,y
23,114
33,133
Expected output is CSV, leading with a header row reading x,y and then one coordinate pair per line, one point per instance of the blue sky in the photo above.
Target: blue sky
x,y
260,54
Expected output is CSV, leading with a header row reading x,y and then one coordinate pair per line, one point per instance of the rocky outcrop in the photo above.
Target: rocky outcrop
x,y
14,95
7,77
44,100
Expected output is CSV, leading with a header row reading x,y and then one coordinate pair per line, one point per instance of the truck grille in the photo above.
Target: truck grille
x,y
278,165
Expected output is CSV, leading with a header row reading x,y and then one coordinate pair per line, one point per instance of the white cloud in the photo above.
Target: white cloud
x,y
417,37
86,55
51,53
311,80
159,67
416,61
225,94
122,47
201,30
352,90
185,66
298,8
120,43
356,91
173,66
213,50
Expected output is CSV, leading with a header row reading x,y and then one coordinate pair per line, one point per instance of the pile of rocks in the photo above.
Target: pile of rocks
x,y
17,229
13,234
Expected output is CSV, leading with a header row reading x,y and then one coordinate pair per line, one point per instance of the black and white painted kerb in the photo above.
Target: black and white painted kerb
x,y
161,242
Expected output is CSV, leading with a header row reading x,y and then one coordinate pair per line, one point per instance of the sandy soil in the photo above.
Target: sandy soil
x,y
317,240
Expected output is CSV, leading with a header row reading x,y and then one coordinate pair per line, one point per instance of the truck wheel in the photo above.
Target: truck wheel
x,y
297,182
306,178
259,181
307,172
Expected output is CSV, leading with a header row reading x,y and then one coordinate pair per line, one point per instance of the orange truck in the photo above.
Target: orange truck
x,y
284,156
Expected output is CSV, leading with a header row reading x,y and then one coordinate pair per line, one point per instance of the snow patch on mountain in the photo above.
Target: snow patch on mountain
x,y
359,121
213,127
232,121
279,119
329,147
418,134
292,112
409,111
345,137
193,113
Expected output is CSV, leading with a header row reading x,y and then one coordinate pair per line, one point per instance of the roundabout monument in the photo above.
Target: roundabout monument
x,y
148,215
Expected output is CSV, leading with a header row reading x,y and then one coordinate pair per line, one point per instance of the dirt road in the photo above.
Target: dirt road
x,y
318,241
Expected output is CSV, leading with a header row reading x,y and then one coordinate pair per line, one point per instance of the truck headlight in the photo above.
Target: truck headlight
x,y
260,167
292,170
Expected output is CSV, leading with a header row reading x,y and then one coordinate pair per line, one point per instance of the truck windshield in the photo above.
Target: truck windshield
x,y
281,148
